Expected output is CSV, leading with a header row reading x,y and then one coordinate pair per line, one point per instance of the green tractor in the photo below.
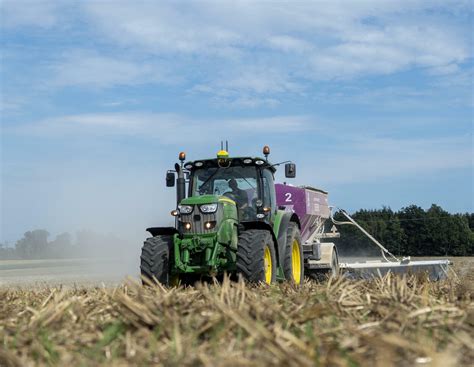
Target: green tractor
x,y
228,223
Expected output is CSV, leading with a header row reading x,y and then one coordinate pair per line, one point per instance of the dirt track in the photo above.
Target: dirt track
x,y
64,272
114,271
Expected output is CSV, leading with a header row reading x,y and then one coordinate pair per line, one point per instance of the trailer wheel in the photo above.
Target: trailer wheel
x,y
334,264
293,265
256,260
324,274
155,260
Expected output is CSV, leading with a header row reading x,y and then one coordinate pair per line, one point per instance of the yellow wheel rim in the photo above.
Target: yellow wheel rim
x,y
267,260
296,262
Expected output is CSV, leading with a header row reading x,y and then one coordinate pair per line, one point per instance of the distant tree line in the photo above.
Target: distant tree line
x,y
35,245
410,231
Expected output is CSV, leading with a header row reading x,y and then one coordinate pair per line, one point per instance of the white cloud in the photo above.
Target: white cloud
x,y
10,104
445,69
449,90
249,86
163,27
248,102
358,157
270,125
288,42
81,68
38,13
166,128
449,78
365,52
250,53
259,82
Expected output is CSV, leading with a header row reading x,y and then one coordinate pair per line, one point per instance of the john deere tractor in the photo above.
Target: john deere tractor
x,y
228,222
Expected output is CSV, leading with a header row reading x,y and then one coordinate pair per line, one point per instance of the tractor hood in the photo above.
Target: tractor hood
x,y
206,199
207,214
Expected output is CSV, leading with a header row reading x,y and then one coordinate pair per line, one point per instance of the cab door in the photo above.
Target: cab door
x,y
269,195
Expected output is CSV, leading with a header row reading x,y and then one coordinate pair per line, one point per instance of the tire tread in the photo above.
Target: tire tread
x,y
250,250
155,258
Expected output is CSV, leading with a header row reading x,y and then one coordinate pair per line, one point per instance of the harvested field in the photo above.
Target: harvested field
x,y
390,321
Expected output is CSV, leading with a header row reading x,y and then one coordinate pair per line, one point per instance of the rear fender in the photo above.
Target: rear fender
x,y
162,231
282,222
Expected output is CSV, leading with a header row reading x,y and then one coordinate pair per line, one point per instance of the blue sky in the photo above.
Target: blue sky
x,y
372,99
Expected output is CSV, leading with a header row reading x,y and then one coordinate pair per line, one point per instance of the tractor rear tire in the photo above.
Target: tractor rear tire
x,y
155,259
256,259
293,265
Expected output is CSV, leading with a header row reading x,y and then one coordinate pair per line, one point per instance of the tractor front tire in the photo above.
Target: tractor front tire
x,y
293,266
155,259
256,259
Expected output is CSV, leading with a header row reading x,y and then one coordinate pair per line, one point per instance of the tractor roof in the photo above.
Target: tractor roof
x,y
234,161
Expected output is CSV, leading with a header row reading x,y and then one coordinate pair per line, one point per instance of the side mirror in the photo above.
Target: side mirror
x,y
290,170
170,180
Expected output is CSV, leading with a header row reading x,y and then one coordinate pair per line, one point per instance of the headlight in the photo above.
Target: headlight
x,y
187,226
208,208
210,225
185,209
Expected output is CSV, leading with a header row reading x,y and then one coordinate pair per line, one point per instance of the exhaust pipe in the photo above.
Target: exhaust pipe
x,y
180,184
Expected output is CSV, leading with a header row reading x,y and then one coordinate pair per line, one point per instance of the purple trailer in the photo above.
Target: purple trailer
x,y
310,205
312,209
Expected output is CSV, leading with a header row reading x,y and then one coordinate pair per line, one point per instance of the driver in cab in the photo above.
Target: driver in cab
x,y
238,195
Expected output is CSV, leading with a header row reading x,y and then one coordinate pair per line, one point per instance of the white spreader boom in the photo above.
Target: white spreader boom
x,y
434,269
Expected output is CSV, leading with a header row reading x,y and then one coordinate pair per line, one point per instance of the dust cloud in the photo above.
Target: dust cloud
x,y
86,228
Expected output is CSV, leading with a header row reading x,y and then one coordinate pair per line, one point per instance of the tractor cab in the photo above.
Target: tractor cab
x,y
246,181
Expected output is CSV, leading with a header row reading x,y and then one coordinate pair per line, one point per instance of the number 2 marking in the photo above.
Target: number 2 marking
x,y
288,197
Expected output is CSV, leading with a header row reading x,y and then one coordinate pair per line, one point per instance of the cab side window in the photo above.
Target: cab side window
x,y
269,190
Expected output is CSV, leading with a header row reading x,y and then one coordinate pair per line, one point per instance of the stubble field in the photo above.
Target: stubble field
x,y
389,321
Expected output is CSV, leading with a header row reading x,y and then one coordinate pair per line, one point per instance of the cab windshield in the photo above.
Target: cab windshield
x,y
237,183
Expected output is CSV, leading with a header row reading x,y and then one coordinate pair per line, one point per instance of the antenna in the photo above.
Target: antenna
x,y
226,146
222,145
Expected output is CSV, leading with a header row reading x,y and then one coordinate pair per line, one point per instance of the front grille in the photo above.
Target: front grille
x,y
198,258
198,219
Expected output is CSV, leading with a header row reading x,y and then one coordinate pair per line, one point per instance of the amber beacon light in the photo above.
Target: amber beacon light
x,y
266,151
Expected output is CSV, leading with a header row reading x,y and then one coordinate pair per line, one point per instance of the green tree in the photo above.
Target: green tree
x,y
470,220
33,245
61,246
413,223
